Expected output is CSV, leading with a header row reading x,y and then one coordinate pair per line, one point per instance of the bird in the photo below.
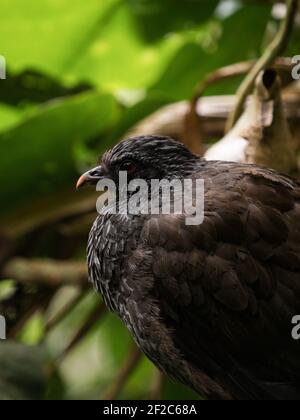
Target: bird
x,y
211,305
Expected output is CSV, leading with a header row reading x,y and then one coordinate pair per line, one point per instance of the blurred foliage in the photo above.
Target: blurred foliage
x,y
80,75
47,138
22,372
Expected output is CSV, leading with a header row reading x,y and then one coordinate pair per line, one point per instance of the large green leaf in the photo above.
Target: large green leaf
x,y
9,116
37,155
105,42
192,62
155,18
128,44
47,34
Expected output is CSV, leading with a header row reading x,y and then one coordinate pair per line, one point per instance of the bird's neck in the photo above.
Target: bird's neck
x,y
111,241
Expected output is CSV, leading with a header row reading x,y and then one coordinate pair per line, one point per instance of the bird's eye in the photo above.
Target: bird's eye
x,y
128,166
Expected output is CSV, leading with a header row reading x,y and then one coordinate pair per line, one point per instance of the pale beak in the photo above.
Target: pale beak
x,y
91,177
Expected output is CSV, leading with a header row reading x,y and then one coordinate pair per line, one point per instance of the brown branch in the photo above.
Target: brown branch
x,y
212,112
126,370
234,70
274,50
157,390
78,227
64,312
46,272
193,130
96,315
52,209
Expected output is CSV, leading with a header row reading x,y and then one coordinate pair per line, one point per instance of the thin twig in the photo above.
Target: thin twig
x,y
68,307
128,367
193,129
96,315
234,70
275,49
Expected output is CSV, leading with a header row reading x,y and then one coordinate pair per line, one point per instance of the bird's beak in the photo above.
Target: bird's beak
x,y
91,177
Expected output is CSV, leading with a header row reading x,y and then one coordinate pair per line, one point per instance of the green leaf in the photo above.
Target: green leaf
x,y
9,116
33,332
114,44
156,18
47,34
7,288
36,156
193,62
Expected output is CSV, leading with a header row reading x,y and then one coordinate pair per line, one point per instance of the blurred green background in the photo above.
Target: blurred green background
x,y
79,76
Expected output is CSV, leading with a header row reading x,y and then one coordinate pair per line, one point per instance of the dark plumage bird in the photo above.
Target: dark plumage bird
x,y
210,305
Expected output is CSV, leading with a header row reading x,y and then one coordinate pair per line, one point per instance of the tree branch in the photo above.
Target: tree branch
x,y
128,367
234,70
64,312
274,50
157,389
46,272
96,315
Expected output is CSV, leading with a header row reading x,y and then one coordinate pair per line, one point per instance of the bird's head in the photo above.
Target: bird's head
x,y
147,157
